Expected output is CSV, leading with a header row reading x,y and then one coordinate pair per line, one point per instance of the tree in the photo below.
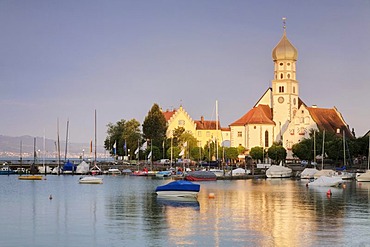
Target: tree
x,y
257,153
277,152
231,153
122,134
303,150
155,126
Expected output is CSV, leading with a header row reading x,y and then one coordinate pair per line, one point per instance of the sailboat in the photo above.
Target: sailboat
x,y
92,179
33,168
365,177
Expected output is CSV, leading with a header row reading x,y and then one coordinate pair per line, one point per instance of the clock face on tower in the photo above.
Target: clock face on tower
x,y
280,99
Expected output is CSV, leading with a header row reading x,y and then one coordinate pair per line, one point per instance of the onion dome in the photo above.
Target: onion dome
x,y
284,50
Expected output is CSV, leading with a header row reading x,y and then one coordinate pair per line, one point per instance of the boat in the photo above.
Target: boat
x,y
325,173
126,172
178,188
33,168
217,172
163,174
83,168
325,181
365,177
5,170
114,171
90,180
279,171
200,176
238,172
308,173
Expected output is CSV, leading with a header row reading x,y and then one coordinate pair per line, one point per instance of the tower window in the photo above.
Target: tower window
x,y
281,64
288,76
293,89
281,89
281,76
288,64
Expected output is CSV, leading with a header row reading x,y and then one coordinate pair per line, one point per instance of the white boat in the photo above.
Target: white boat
x,y
347,175
238,172
217,172
326,173
325,181
90,180
114,171
308,173
279,171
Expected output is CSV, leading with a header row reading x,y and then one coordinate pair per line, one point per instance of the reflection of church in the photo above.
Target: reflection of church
x,y
280,115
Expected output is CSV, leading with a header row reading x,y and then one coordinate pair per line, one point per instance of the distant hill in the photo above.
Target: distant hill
x,y
11,146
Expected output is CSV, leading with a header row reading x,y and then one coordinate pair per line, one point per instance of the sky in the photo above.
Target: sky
x,y
62,60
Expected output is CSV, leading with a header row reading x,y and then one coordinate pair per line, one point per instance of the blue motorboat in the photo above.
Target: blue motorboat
x,y
178,188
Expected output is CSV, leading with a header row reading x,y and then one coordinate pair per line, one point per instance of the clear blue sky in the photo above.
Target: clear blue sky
x,y
63,59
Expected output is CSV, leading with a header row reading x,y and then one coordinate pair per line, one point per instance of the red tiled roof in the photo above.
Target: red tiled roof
x,y
260,114
206,125
329,120
168,114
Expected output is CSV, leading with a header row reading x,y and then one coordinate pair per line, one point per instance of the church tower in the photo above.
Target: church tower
x,y
285,88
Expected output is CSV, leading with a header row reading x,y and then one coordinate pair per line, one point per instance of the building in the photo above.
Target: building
x,y
280,115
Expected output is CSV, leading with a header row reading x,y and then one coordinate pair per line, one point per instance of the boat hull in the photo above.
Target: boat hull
x,y
178,188
30,177
90,180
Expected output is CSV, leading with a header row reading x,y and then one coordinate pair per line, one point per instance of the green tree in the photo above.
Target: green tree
x,y
175,153
155,126
277,152
302,150
231,153
120,133
257,153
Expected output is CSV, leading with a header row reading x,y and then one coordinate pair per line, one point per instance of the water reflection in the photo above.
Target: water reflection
x,y
179,202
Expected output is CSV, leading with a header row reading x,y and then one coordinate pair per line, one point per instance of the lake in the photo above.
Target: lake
x,y
125,211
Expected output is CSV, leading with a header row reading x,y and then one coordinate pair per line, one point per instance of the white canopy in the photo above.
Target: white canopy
x,y
83,168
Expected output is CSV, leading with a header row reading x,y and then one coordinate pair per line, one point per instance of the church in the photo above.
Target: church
x,y
280,115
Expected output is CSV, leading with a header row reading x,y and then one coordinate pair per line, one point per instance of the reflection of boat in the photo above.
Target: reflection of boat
x,y
325,181
178,188
190,202
200,176
163,174
279,171
90,180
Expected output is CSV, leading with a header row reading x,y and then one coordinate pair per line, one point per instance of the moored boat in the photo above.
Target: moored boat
x,y
200,176
163,174
279,171
325,181
90,180
308,173
178,188
30,177
5,170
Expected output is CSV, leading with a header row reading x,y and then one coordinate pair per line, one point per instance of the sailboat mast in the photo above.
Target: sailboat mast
x,y
368,156
58,147
314,146
95,140
323,146
344,150
65,153
217,130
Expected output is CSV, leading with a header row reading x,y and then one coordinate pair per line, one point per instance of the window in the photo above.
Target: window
x,y
240,134
266,138
181,122
199,134
208,134
281,64
281,89
293,89
288,64
288,76
281,76
255,127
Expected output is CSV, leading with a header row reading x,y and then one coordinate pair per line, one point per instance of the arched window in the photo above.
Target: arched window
x,y
281,76
288,76
266,138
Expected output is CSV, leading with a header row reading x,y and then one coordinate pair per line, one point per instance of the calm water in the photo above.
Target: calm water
x,y
124,211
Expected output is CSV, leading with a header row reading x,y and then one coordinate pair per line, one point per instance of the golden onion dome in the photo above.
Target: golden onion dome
x,y
284,50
